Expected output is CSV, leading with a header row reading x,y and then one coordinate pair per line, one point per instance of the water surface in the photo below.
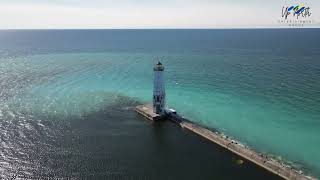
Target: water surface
x,y
259,86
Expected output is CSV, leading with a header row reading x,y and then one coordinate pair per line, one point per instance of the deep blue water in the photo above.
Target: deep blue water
x,y
259,86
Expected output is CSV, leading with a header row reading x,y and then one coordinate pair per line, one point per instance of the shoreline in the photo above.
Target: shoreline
x,y
270,164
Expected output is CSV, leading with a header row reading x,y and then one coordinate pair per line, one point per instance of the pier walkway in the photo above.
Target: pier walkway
x,y
269,164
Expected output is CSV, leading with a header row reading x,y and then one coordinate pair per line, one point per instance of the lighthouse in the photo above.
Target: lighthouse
x,y
159,95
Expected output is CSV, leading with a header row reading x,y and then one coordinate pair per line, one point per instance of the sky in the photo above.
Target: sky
x,y
137,14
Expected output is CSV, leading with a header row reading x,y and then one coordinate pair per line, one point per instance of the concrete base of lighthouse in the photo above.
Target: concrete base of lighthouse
x,y
147,111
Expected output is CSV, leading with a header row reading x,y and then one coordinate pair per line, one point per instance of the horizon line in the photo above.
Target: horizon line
x,y
226,28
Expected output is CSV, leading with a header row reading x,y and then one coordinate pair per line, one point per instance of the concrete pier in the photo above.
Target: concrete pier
x,y
147,112
267,163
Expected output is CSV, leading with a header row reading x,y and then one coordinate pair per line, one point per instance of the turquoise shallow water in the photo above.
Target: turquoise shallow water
x,y
267,96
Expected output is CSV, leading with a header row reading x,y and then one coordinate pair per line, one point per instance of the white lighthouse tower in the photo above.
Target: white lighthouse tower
x,y
159,94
